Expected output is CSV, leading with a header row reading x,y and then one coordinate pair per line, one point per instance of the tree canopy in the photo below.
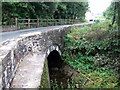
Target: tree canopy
x,y
43,10
113,13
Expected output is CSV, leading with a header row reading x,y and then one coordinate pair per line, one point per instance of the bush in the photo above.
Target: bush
x,y
93,49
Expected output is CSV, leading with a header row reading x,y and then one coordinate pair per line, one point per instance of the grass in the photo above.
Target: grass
x,y
45,83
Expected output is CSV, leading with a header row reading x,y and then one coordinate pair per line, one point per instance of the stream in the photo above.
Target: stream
x,y
58,77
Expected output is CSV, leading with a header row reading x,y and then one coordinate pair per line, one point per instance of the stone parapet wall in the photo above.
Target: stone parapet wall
x,y
13,54
13,51
9,28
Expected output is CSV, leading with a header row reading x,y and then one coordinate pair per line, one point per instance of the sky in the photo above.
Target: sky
x,y
98,6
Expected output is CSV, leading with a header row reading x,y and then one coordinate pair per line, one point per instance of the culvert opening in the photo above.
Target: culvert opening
x,y
54,60
58,78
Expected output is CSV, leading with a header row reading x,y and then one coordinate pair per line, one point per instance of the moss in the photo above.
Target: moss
x,y
45,83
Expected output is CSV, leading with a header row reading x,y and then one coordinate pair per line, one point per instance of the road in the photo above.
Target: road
x,y
9,35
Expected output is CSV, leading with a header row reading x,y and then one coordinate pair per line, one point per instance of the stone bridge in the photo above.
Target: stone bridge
x,y
22,58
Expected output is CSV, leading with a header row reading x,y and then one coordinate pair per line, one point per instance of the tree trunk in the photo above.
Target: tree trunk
x,y
118,21
114,16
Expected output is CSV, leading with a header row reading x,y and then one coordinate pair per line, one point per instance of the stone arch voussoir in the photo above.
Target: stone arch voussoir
x,y
52,48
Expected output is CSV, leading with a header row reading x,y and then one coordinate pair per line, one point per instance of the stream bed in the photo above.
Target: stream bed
x,y
59,78
59,72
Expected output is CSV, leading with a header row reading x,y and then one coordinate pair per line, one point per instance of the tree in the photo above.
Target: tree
x,y
43,10
109,13
71,10
113,13
118,16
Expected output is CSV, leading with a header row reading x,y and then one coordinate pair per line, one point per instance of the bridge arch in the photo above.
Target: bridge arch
x,y
17,50
53,56
54,47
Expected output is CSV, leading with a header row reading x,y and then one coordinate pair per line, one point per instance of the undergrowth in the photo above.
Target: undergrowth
x,y
95,52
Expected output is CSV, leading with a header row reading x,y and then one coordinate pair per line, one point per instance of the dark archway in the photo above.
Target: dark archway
x,y
56,70
55,64
54,60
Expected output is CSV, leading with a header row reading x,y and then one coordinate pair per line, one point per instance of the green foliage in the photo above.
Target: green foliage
x,y
79,62
83,30
113,13
101,79
71,10
43,10
94,49
101,26
55,86
45,83
109,12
